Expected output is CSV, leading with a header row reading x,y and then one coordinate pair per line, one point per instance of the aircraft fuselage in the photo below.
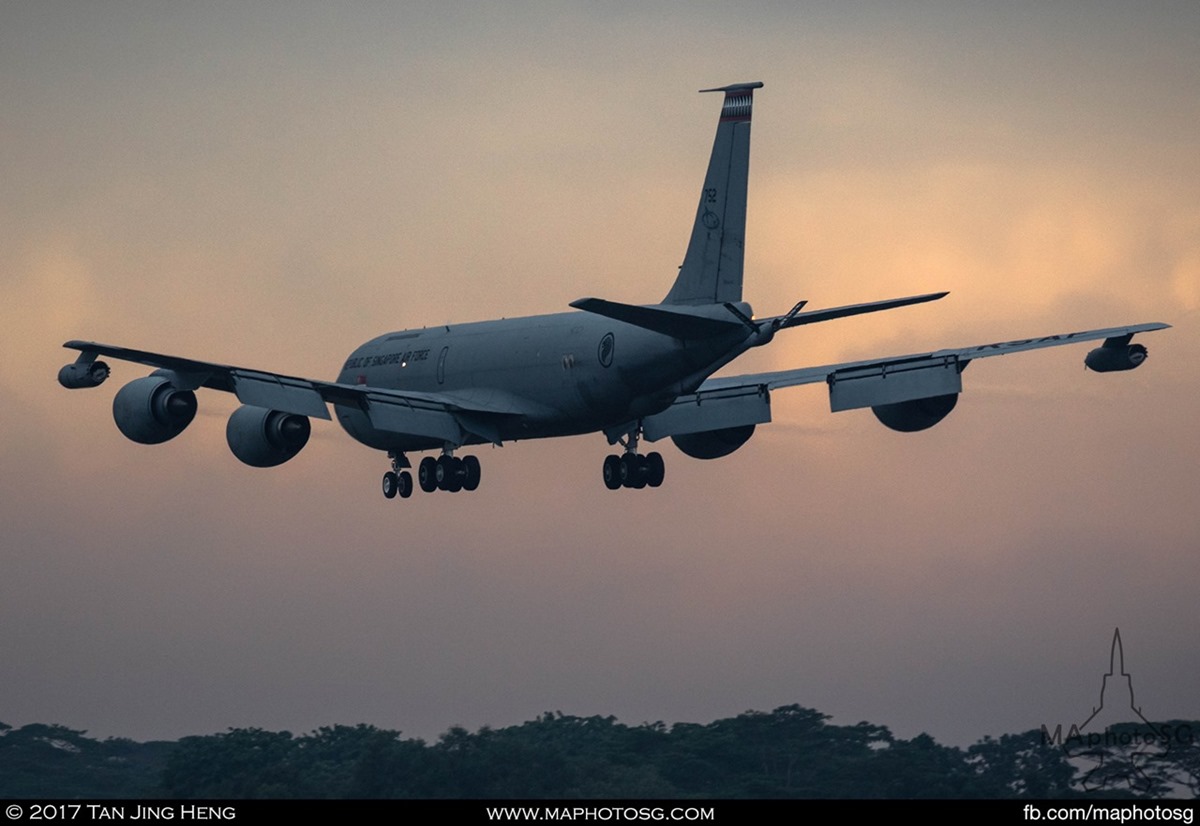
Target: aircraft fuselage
x,y
560,374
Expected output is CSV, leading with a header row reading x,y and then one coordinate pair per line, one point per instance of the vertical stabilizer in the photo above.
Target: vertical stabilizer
x,y
712,268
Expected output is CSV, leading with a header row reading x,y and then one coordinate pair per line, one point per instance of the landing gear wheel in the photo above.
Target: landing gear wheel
x,y
471,472
612,472
427,474
454,482
639,474
405,486
449,474
633,473
390,485
655,469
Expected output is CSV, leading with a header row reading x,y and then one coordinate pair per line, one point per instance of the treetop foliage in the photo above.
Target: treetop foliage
x,y
791,752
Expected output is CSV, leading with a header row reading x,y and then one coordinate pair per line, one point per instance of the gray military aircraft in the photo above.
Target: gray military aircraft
x,y
630,372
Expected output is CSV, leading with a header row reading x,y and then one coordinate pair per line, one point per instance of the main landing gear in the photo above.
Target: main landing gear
x,y
446,472
632,470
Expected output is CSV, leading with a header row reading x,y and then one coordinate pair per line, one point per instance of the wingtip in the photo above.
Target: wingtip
x,y
921,299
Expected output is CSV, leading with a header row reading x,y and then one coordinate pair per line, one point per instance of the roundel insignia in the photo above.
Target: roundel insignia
x,y
605,351
710,219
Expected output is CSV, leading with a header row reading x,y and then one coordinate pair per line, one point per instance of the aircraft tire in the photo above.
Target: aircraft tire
x,y
633,469
471,472
639,474
454,482
405,488
612,471
390,485
427,474
449,474
628,469
656,470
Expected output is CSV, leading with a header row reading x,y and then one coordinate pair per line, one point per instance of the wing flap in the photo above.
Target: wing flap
x,y
279,393
399,415
707,410
893,383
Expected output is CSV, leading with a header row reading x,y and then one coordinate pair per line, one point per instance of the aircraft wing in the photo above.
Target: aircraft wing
x,y
961,356
739,401
437,415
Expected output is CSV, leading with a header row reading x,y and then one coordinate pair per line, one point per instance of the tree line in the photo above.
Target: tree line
x,y
791,752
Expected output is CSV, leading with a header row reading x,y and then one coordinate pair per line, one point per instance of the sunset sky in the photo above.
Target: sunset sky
x,y
272,184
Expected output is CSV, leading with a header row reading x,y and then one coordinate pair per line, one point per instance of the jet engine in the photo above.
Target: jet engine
x,y
713,444
915,414
151,410
83,374
266,438
1107,359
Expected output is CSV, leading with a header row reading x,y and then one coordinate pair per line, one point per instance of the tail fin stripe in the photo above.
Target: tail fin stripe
x,y
737,106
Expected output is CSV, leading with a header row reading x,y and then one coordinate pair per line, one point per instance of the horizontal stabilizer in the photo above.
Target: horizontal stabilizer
x,y
674,323
856,309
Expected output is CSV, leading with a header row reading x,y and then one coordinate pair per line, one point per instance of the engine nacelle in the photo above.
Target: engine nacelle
x,y
1107,359
83,374
266,438
915,414
152,410
713,444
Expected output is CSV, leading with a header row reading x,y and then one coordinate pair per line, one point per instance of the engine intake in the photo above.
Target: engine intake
x,y
915,414
151,411
266,438
1107,359
713,444
83,374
